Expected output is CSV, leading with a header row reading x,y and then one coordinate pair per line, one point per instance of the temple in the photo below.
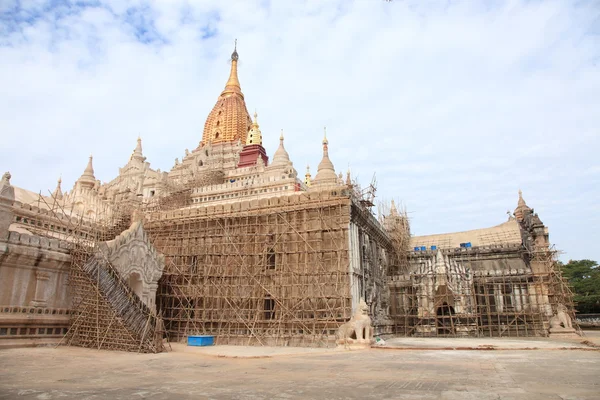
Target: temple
x,y
232,243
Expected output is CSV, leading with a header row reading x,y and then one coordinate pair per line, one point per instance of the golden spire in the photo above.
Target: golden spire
x,y
254,135
307,176
229,120
233,83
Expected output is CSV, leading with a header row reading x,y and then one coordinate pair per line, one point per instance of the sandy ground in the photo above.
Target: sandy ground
x,y
231,372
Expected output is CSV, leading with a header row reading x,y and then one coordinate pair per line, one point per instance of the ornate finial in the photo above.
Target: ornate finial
x,y
233,84
234,55
281,136
6,178
348,180
325,141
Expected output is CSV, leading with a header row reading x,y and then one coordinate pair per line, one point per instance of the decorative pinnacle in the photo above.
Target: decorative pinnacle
x,y
521,202
325,141
281,136
234,55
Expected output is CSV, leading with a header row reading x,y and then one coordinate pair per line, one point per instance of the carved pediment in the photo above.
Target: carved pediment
x,y
132,251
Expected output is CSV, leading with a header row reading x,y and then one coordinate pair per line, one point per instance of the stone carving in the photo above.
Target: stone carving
x,y
561,319
560,323
7,197
138,262
6,190
358,329
6,178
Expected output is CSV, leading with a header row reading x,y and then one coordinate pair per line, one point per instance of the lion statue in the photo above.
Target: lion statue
x,y
561,318
358,329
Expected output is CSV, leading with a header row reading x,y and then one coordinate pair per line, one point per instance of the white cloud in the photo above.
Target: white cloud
x,y
455,106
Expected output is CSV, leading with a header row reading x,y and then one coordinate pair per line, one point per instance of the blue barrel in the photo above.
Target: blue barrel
x,y
417,249
468,244
200,340
423,248
433,247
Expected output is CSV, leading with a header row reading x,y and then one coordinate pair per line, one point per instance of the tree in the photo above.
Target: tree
x,y
584,277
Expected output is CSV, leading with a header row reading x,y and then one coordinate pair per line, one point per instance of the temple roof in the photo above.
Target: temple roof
x,y
506,233
229,120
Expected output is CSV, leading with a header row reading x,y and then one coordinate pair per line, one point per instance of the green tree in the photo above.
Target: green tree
x,y
584,277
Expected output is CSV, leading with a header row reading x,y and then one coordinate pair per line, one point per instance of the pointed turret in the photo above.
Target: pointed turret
x,y
58,194
325,172
254,136
137,152
281,156
307,177
87,180
253,152
348,179
522,208
393,209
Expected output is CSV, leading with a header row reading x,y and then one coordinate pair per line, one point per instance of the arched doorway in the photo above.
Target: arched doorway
x,y
135,283
445,319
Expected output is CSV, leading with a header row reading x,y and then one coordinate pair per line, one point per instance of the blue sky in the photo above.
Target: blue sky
x,y
454,105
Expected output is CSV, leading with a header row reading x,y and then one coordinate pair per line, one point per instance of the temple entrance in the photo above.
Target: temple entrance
x,y
445,320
